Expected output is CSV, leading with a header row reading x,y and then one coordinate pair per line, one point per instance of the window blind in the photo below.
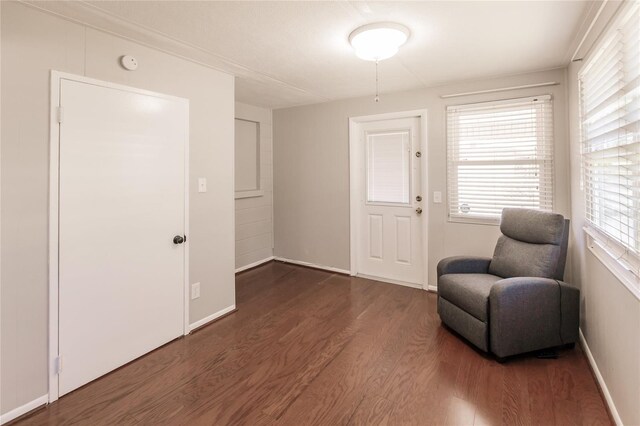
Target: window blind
x,y
388,167
500,154
610,133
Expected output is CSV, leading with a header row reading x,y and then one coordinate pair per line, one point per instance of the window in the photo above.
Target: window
x,y
610,134
247,159
388,167
500,154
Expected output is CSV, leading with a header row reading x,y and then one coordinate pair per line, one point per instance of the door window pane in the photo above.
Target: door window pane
x,y
388,167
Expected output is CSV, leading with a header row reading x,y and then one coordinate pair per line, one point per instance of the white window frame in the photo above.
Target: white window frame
x,y
452,186
258,191
368,170
622,260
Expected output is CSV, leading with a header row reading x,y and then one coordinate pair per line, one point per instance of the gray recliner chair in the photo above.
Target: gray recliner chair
x,y
515,302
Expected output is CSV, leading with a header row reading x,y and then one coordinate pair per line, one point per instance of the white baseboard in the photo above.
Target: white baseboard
x,y
254,264
432,288
600,379
390,281
211,317
313,265
24,409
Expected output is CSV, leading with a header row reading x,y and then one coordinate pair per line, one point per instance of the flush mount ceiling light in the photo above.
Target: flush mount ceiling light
x,y
375,42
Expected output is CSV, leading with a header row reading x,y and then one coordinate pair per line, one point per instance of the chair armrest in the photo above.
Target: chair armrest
x,y
570,301
526,314
463,265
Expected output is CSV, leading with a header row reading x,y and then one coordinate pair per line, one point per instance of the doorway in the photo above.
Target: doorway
x,y
388,170
118,227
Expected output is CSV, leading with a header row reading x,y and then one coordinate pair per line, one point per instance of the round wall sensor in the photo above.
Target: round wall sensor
x,y
129,62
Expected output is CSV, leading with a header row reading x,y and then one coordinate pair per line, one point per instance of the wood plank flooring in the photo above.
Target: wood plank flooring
x,y
310,347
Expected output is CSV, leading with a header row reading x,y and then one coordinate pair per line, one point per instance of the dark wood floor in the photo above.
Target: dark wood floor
x,y
311,347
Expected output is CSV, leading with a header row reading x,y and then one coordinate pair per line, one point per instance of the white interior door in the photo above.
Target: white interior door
x,y
121,202
389,217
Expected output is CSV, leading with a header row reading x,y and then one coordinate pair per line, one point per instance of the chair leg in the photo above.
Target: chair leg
x,y
501,360
550,353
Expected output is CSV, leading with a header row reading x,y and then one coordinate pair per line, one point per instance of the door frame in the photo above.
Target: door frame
x,y
54,193
355,189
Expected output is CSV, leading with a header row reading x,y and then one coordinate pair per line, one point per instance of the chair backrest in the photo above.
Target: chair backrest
x,y
533,244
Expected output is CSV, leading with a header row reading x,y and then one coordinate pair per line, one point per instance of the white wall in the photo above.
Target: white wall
x,y
33,43
311,170
610,313
254,224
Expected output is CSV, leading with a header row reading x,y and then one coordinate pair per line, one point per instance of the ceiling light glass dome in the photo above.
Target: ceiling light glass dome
x,y
375,42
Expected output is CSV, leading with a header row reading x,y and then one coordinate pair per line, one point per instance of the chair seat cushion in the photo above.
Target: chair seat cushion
x,y
469,292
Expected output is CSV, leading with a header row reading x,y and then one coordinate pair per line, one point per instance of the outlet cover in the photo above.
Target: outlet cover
x,y
202,185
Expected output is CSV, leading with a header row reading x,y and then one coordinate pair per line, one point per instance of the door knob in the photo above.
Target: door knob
x,y
419,210
178,239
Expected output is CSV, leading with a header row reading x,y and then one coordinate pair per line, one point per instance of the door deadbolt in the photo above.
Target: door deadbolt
x,y
419,198
418,154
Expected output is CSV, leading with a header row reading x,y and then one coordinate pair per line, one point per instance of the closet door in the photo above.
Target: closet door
x,y
121,222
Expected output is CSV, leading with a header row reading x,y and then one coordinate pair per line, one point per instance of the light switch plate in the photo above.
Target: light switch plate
x,y
202,185
195,291
437,197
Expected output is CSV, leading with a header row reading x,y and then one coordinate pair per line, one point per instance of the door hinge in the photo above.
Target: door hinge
x,y
60,114
59,364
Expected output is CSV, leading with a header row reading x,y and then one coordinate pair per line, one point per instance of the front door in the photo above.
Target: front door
x,y
389,217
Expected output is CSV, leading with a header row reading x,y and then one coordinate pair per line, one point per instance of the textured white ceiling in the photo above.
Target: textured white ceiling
x,y
292,53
